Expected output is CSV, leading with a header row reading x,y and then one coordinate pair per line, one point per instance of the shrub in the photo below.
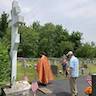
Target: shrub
x,y
4,64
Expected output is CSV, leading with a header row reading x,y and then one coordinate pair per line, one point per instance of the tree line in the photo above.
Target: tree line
x,y
54,39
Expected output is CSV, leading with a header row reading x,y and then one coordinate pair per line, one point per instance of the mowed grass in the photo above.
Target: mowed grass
x,y
30,72
92,68
27,71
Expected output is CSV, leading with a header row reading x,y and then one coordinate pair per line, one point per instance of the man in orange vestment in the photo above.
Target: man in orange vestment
x,y
44,70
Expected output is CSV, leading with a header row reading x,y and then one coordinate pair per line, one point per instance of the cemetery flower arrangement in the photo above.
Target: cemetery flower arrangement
x,y
88,90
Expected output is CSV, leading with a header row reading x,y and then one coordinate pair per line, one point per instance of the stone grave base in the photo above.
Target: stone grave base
x,y
21,88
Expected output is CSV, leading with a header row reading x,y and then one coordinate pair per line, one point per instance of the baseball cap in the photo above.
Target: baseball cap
x,y
69,53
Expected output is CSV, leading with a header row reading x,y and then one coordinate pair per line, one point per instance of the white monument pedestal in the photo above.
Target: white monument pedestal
x,y
21,88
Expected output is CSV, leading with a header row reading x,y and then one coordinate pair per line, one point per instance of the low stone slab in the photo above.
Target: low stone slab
x,y
21,88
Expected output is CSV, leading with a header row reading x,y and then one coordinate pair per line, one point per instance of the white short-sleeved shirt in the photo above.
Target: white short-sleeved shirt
x,y
74,64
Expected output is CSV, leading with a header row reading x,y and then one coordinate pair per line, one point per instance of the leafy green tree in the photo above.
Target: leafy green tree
x,y
62,36
76,37
86,51
36,26
29,42
7,38
54,39
3,24
64,47
46,38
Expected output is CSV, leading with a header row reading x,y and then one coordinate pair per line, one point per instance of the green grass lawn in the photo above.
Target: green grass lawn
x,y
31,73
92,68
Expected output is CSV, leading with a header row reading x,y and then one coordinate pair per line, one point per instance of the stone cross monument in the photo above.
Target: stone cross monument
x,y
19,88
15,38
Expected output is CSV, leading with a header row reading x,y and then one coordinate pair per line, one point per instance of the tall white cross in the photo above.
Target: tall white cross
x,y
15,38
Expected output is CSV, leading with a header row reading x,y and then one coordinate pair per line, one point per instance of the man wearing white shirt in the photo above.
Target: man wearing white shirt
x,y
74,72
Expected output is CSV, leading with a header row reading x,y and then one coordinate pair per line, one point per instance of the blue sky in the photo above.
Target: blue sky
x,y
75,15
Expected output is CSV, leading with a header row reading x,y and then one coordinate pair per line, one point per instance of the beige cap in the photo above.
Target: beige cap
x,y
69,53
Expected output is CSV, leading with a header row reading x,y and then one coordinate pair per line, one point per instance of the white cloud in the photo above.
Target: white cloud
x,y
73,14
5,5
26,10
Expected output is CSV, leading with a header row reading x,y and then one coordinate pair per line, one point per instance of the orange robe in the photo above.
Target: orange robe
x,y
44,70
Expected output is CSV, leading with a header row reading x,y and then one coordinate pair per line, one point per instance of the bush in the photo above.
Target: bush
x,y
4,64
